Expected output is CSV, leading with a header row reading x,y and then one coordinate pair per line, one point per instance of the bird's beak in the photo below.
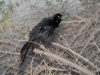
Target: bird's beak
x,y
62,18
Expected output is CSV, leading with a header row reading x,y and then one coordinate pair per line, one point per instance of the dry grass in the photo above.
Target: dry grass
x,y
75,51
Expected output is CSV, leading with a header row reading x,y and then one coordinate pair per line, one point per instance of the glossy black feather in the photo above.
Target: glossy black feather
x,y
41,33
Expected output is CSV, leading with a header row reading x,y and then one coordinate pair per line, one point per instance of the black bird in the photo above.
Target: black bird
x,y
41,33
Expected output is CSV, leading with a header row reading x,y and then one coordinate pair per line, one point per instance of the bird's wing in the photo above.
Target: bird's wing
x,y
34,30
41,32
38,28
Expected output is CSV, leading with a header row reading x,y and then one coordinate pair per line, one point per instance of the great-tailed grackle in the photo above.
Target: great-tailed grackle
x,y
41,33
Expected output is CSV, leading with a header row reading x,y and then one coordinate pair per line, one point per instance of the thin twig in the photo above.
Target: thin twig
x,y
64,60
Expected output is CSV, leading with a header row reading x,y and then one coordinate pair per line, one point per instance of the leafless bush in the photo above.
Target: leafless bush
x,y
75,51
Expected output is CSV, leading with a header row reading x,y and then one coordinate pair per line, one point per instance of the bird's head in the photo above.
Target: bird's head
x,y
54,20
57,18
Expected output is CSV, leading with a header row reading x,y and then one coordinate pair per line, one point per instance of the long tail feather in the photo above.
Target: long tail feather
x,y
24,51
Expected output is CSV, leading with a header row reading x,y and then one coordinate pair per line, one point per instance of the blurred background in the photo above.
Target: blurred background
x,y
77,38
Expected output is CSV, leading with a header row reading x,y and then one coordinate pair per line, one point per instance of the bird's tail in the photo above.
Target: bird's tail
x,y
24,51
